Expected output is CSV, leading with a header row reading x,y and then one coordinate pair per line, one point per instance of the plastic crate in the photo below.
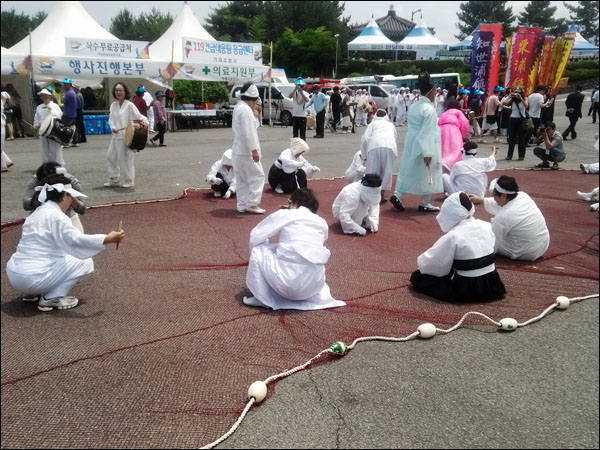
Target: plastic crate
x,y
96,124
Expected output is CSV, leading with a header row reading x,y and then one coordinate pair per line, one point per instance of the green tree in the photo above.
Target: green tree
x,y
189,91
474,12
585,16
234,19
560,26
146,27
123,25
15,27
539,14
308,52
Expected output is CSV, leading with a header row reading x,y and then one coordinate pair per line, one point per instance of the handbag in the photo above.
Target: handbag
x,y
527,122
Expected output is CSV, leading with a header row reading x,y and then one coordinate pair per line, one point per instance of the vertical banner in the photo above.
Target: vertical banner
x,y
481,58
522,56
509,58
561,50
495,28
544,69
533,73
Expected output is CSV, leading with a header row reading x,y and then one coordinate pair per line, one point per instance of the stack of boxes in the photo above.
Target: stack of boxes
x,y
96,124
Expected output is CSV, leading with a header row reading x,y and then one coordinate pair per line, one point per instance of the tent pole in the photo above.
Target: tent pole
x,y
171,67
31,80
270,81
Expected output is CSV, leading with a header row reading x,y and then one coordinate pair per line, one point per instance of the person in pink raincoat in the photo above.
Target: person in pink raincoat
x,y
454,127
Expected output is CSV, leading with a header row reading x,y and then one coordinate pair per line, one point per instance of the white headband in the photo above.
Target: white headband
x,y
58,187
494,185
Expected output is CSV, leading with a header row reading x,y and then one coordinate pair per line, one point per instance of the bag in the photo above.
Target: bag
x,y
527,122
490,119
570,111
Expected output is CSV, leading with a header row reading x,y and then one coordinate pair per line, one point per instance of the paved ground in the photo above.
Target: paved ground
x,y
536,387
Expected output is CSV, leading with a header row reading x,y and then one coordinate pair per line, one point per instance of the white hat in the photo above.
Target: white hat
x,y
59,187
297,146
45,91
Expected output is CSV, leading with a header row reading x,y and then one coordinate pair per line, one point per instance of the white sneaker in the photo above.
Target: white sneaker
x,y
252,301
217,194
255,210
48,304
127,185
587,196
279,190
110,184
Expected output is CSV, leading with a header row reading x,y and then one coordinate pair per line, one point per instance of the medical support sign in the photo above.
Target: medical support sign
x,y
217,52
107,48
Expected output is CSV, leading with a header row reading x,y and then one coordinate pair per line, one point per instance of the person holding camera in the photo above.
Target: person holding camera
x,y
554,146
300,98
516,133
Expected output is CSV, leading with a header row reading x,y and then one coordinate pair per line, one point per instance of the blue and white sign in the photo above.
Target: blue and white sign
x,y
198,50
107,48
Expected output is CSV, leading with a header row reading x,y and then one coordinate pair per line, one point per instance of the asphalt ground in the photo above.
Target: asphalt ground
x,y
533,388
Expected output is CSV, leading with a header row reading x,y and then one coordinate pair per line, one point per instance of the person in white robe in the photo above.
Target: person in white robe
x,y
290,274
222,176
378,147
50,150
421,164
149,103
440,102
53,255
291,170
357,168
250,176
119,158
460,265
357,206
403,103
468,175
519,226
6,161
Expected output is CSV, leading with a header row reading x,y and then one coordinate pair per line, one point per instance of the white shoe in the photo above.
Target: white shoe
x,y
255,210
587,196
252,301
585,168
594,207
127,185
217,194
110,184
48,304
279,190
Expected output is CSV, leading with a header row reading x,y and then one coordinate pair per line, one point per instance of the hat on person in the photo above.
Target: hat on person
x,y
498,89
518,89
477,92
50,88
298,145
45,91
300,82
59,187
140,89
66,81
159,94
425,84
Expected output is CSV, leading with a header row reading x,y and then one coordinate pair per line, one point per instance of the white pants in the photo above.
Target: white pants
x,y
594,168
120,163
57,282
51,151
250,181
5,161
381,161
400,115
448,185
151,119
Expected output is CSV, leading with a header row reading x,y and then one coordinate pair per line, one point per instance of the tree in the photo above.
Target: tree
x,y
474,12
538,14
585,16
234,19
123,25
16,26
146,27
307,52
560,26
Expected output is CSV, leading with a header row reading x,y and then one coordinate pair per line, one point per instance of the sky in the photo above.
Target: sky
x,y
439,15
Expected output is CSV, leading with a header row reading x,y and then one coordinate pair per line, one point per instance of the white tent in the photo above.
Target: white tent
x,y
371,39
581,47
185,25
421,41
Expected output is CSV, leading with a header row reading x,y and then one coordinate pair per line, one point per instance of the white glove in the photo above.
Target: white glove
x,y
362,232
374,228
227,194
217,181
316,169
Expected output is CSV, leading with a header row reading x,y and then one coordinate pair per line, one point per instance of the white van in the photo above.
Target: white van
x,y
280,109
379,95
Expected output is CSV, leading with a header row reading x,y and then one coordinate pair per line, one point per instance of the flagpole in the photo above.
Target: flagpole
x,y
32,92
171,68
270,93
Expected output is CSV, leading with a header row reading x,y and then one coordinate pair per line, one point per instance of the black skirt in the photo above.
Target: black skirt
x,y
456,288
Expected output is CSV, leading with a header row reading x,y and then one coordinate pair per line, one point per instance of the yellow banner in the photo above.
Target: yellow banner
x,y
561,51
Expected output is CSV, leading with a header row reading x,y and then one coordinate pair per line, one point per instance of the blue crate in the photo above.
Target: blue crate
x,y
96,124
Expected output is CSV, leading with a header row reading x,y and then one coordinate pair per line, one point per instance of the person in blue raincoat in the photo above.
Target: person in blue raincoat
x,y
421,165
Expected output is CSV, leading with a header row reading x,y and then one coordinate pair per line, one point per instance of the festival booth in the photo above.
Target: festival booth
x,y
372,39
581,47
420,43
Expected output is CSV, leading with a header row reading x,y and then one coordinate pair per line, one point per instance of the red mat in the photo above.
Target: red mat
x,y
161,350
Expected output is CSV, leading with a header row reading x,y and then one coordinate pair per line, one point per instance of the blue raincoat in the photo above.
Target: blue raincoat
x,y
422,139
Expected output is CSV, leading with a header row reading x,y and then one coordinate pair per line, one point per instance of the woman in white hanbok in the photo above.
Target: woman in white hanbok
x,y
291,273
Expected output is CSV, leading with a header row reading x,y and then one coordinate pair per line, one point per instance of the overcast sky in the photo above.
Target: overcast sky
x,y
440,15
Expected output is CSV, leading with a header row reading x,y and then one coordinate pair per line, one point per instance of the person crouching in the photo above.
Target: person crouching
x,y
291,170
222,176
357,205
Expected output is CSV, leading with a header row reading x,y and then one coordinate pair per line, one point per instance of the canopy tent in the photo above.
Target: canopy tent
x,y
421,41
371,39
581,47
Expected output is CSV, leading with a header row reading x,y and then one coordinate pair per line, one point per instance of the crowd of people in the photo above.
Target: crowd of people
x,y
54,252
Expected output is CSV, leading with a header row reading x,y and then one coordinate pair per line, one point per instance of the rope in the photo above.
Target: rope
x,y
381,338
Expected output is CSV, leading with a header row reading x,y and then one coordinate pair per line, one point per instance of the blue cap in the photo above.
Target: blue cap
x,y
140,89
50,88
67,81
478,93
300,81
498,89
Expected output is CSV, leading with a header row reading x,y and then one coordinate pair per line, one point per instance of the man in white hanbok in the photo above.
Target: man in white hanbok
x,y
378,147
250,177
291,170
119,158
357,206
222,176
290,274
6,161
519,226
357,168
468,175
403,103
460,265
53,255
50,150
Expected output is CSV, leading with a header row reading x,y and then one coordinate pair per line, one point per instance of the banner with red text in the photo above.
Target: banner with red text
x,y
561,50
522,56
496,29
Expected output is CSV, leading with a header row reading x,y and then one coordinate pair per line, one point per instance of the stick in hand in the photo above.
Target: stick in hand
x,y
119,229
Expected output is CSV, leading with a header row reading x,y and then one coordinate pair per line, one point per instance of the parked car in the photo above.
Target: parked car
x,y
379,95
280,109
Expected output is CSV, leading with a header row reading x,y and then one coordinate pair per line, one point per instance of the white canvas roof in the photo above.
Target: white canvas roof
x,y
371,38
67,19
185,25
421,36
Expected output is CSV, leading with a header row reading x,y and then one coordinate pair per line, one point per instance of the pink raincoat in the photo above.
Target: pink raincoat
x,y
454,126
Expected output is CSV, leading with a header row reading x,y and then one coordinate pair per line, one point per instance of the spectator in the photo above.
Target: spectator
x,y
79,123
89,99
554,147
160,118
319,100
595,103
70,109
335,108
536,103
299,98
516,133
140,102
17,115
573,103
